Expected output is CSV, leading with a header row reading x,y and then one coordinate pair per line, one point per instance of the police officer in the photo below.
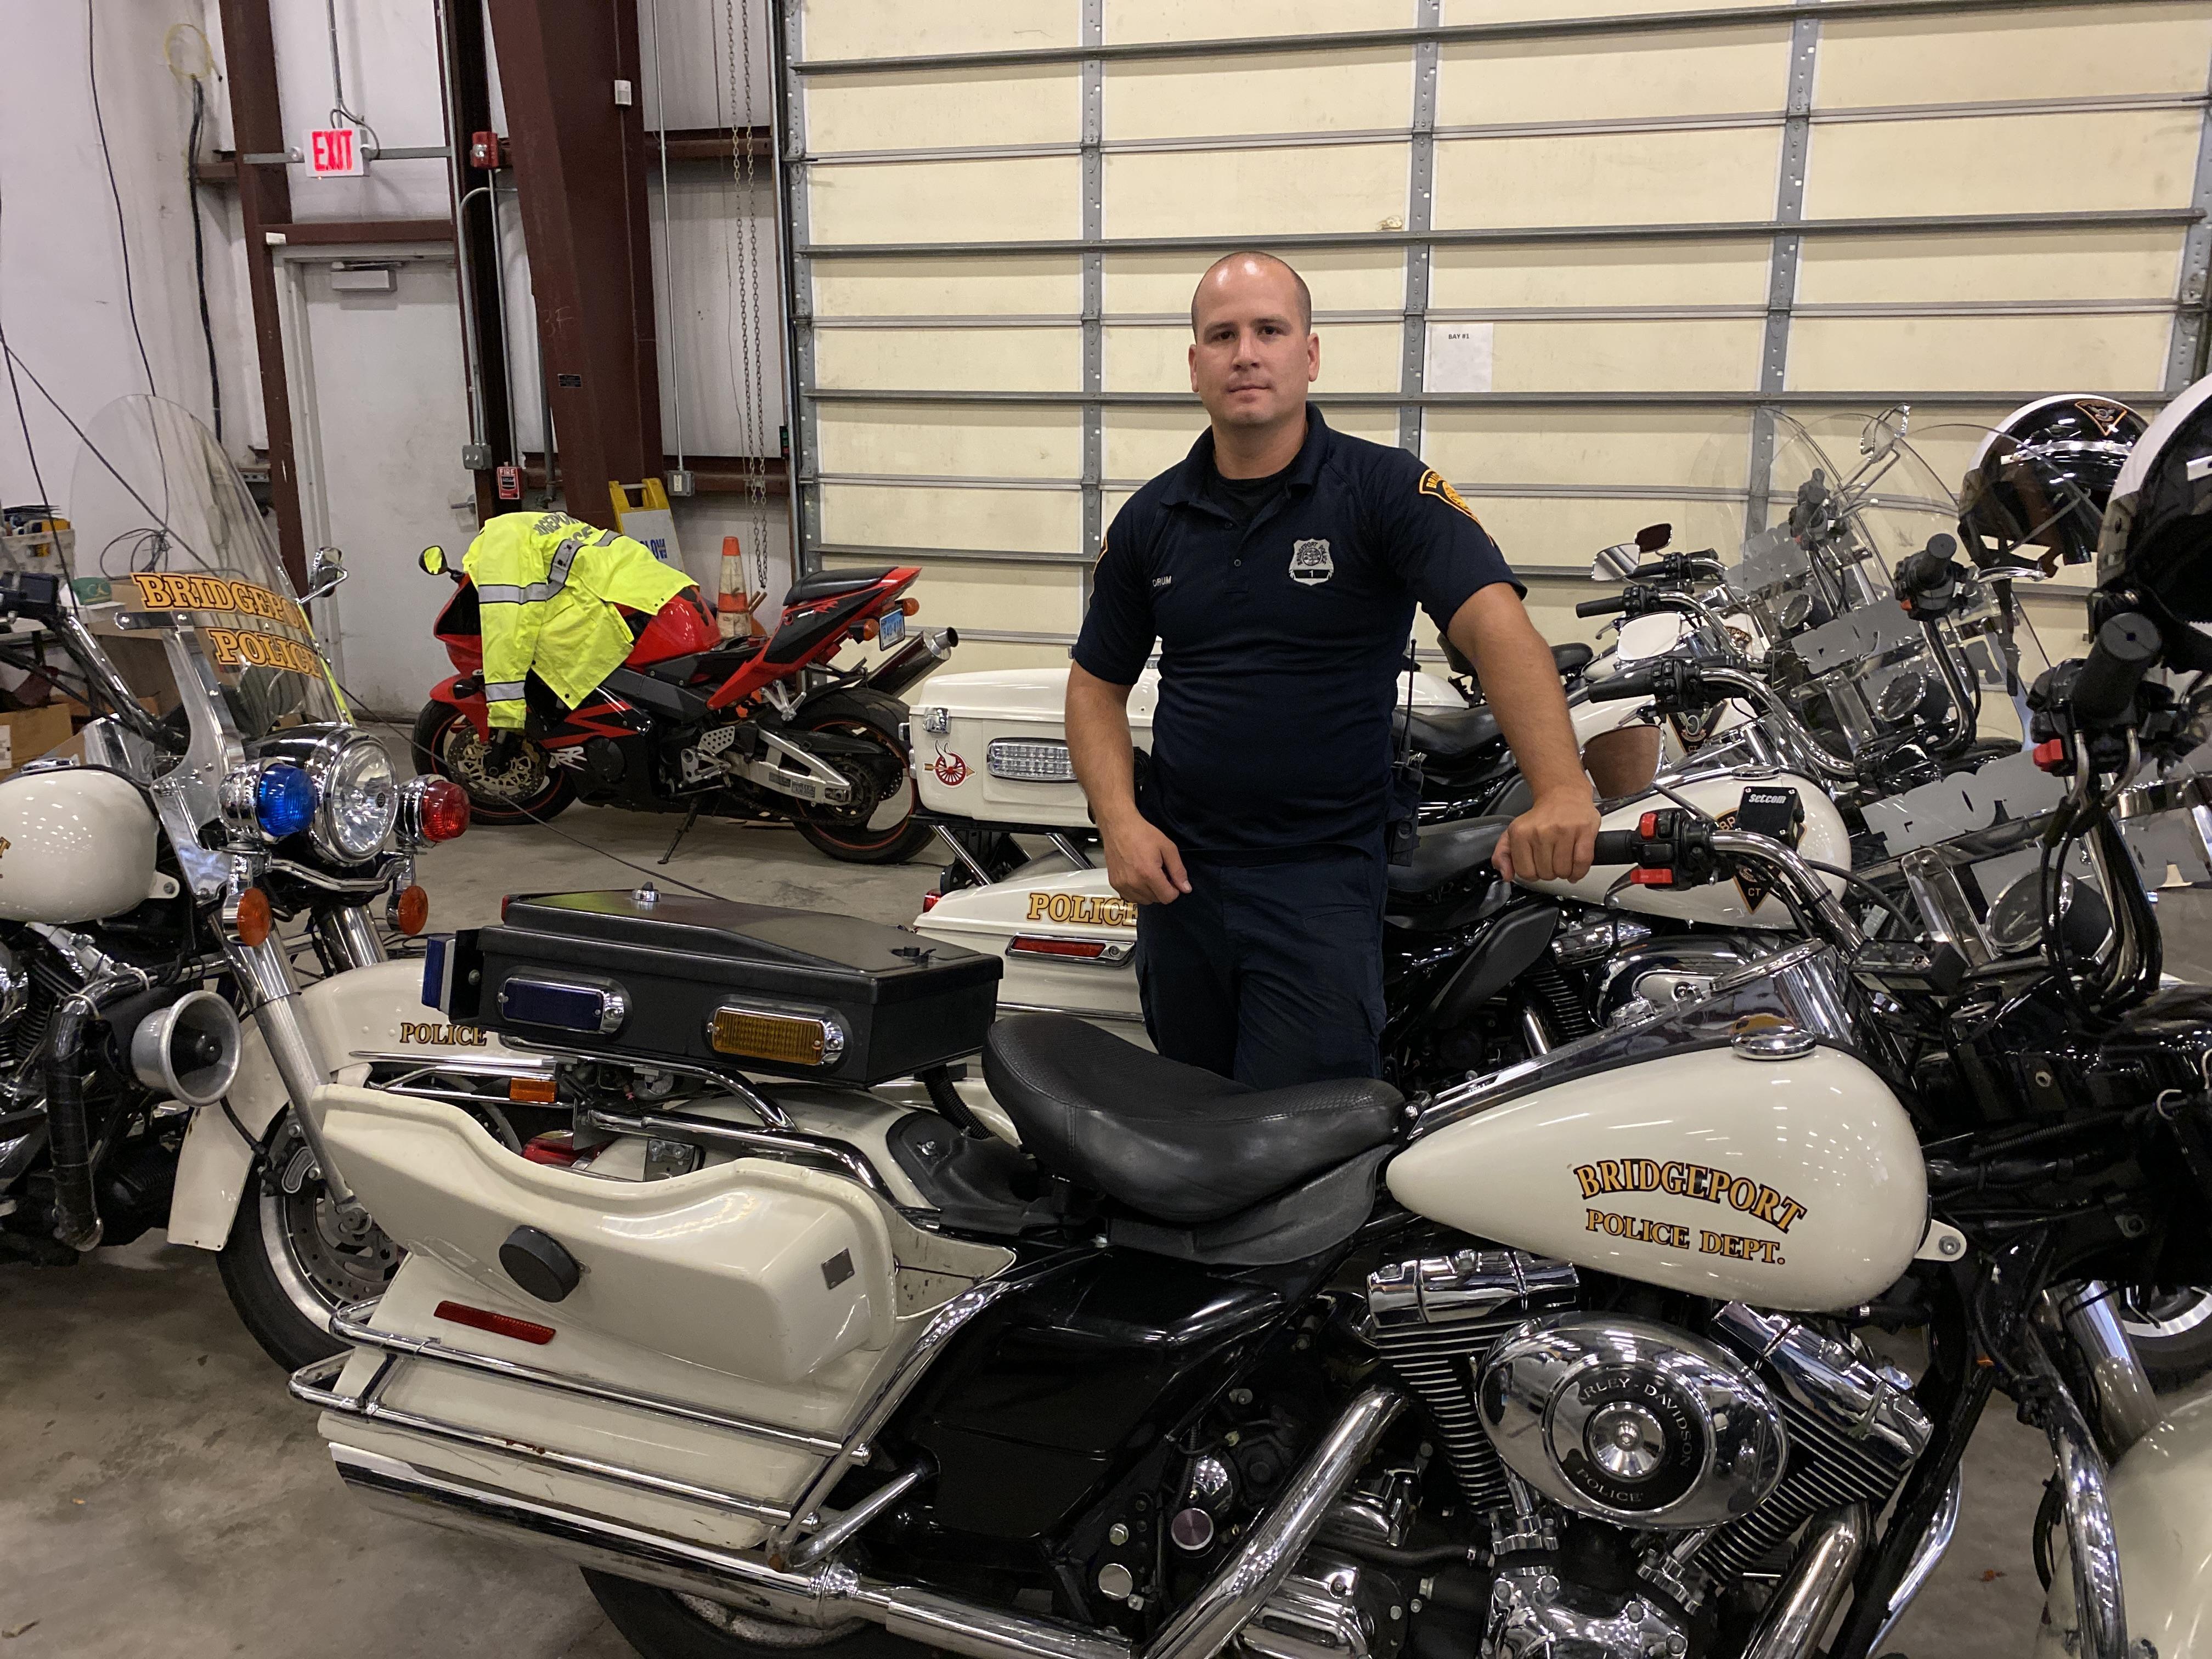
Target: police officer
x,y
1278,566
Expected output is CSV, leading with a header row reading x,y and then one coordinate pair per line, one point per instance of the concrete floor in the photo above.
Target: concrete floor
x,y
162,1497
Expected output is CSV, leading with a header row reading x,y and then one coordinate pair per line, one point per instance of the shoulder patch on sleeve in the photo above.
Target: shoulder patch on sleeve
x,y
1434,482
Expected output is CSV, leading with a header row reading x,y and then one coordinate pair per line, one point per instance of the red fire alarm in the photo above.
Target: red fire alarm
x,y
510,483
484,151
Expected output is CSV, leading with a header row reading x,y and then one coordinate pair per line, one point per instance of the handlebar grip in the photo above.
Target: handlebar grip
x,y
1606,607
1618,846
2126,649
1621,687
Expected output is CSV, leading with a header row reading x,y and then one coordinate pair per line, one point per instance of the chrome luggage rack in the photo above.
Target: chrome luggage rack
x,y
315,1384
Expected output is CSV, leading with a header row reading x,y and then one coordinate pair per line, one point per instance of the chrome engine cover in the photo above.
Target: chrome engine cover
x,y
1535,1615
1632,1422
1326,1610
1656,976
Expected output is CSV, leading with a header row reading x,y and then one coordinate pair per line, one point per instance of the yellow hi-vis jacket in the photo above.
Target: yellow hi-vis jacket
x,y
547,585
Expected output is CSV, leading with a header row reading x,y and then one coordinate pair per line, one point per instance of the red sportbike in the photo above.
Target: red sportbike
x,y
747,728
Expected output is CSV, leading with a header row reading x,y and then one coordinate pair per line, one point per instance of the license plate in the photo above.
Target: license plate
x,y
891,628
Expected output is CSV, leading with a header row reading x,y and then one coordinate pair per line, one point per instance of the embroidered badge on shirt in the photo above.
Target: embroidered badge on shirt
x,y
1310,563
1433,483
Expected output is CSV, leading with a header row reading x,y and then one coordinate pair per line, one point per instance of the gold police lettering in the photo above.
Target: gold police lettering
x,y
1082,908
160,591
1698,1181
443,1036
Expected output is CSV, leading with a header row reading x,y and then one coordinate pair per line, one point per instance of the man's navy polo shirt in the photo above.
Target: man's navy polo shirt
x,y
1281,639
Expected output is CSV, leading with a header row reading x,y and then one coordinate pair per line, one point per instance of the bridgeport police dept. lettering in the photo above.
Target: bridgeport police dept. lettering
x,y
1698,1181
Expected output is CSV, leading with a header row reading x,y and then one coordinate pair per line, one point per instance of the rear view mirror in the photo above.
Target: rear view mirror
x,y
1616,562
1653,537
329,571
433,561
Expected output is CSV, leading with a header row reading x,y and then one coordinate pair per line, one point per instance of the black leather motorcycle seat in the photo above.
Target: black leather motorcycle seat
x,y
1571,659
1446,850
1447,733
828,584
1173,1142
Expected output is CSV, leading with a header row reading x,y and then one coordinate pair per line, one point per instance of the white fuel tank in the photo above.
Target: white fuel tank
x,y
1792,1184
1745,901
76,845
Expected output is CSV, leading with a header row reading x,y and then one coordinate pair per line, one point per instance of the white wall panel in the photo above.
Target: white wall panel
x,y
947,287
2039,52
1653,273
995,520
1342,279
1297,92
899,28
1718,71
943,108
1961,353
951,440
1658,447
949,359
1681,354
1607,178
2028,265
1547,530
2101,159
1015,597
999,200
1457,12
1228,19
1239,193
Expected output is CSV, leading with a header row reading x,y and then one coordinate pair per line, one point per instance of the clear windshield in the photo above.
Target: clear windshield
x,y
167,536
1855,495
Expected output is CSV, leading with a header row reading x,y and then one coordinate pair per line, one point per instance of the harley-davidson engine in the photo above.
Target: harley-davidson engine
x,y
1728,1440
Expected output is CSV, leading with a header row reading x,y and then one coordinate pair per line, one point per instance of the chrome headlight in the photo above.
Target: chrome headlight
x,y
359,798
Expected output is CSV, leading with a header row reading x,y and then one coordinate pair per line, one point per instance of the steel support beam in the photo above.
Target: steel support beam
x,y
788,108
1420,217
265,203
2185,351
476,269
579,166
1782,267
1094,300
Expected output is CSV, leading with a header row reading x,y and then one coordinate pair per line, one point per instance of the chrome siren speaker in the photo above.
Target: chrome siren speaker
x,y
1632,1421
189,1049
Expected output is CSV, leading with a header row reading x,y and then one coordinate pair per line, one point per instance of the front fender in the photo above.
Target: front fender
x,y
2161,1494
472,704
377,1009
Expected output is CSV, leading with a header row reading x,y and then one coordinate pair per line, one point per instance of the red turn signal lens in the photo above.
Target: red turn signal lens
x,y
1032,944
445,811
499,1324
253,921
410,911
555,1146
910,605
929,900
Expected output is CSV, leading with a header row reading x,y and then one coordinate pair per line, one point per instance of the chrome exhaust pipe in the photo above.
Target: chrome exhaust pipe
x,y
827,1593
1794,1620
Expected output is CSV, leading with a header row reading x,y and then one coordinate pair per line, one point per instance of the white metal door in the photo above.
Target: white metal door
x,y
1583,265
380,415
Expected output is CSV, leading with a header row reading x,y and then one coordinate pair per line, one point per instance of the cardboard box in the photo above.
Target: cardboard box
x,y
27,734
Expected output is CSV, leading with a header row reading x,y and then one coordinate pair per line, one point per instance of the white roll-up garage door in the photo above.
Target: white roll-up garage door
x,y
1581,265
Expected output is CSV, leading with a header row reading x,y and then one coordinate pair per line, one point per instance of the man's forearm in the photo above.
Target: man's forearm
x,y
1099,745
1520,682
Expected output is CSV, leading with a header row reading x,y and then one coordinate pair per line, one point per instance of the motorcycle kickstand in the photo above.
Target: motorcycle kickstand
x,y
689,819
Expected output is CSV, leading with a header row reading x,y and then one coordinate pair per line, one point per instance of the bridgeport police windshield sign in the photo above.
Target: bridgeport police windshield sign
x,y
243,646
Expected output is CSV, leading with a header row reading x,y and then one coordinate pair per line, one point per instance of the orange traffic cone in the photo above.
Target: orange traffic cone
x,y
737,610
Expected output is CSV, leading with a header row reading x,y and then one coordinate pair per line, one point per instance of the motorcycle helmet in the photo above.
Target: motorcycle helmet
x,y
2042,477
2154,550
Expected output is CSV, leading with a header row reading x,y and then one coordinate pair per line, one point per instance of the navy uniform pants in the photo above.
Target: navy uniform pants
x,y
1271,973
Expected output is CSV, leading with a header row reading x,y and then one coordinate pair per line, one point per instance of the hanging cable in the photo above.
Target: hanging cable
x,y
339,113
197,78
24,420
122,232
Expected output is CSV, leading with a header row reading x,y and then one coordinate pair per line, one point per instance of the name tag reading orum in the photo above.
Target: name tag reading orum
x,y
234,645
1698,1181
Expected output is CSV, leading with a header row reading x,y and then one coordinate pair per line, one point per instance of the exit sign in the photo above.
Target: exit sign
x,y
336,153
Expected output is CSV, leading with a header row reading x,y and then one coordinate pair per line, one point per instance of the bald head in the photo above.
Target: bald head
x,y
1246,274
